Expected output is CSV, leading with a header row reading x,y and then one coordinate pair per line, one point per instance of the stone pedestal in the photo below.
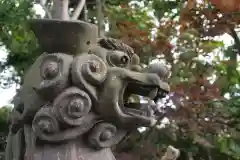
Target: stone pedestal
x,y
70,37
73,150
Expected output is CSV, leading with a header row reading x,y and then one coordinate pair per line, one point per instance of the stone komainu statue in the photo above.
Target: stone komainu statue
x,y
73,103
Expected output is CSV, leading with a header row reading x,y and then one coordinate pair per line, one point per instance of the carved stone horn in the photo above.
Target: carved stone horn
x,y
57,36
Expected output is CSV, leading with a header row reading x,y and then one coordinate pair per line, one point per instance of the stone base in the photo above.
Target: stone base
x,y
74,150
59,36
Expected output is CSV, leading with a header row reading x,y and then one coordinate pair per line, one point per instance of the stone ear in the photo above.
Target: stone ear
x,y
135,59
135,63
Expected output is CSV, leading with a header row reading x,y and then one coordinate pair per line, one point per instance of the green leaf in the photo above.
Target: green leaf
x,y
209,46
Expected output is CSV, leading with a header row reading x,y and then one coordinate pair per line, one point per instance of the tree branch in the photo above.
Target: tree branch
x,y
85,12
60,9
48,13
236,39
100,17
78,9
43,3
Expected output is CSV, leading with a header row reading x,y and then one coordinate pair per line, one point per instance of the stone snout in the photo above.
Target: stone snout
x,y
118,86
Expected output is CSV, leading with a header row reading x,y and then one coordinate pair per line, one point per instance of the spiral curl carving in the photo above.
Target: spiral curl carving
x,y
45,122
88,71
46,126
54,71
105,135
71,105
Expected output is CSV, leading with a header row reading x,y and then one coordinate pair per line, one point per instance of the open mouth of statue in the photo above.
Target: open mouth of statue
x,y
132,102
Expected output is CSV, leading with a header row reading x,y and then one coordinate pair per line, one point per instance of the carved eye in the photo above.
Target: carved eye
x,y
124,59
119,59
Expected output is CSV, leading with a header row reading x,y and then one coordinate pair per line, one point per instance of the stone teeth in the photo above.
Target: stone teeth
x,y
153,122
153,93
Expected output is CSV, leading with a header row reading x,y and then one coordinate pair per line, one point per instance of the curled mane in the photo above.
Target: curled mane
x,y
114,44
